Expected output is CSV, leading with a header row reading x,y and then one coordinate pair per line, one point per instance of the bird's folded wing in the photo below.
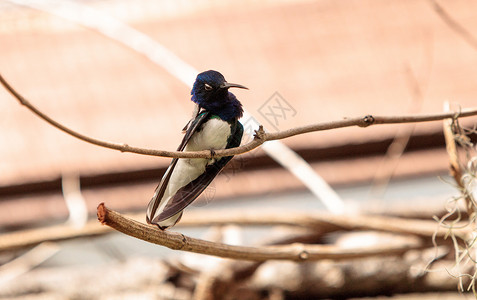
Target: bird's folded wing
x,y
194,125
188,193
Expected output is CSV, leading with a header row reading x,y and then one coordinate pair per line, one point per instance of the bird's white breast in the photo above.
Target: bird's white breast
x,y
213,135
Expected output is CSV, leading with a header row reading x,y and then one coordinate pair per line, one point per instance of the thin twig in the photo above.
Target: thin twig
x,y
260,137
296,252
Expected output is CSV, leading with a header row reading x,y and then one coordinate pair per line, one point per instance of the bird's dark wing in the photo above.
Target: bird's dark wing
x,y
191,191
192,127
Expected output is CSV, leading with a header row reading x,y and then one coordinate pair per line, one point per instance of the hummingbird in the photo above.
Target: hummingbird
x,y
215,125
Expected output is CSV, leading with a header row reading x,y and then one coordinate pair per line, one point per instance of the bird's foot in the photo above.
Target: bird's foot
x,y
259,134
212,153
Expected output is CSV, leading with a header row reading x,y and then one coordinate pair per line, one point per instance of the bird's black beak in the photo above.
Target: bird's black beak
x,y
227,85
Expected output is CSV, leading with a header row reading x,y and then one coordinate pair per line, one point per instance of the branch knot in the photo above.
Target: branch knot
x,y
367,121
124,148
183,243
302,254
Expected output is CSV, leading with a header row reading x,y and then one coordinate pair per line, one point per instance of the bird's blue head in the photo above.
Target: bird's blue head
x,y
211,91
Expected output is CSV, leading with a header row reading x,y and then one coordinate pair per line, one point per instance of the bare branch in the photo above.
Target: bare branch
x,y
296,251
260,137
97,142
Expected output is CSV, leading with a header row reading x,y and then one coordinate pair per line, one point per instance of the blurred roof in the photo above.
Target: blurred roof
x,y
326,59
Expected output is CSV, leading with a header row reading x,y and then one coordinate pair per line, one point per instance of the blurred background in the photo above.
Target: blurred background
x,y
304,62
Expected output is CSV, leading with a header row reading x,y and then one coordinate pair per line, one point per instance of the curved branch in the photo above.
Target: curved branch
x,y
260,137
296,251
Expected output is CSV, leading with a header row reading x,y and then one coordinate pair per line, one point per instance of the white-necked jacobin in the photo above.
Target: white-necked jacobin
x,y
215,126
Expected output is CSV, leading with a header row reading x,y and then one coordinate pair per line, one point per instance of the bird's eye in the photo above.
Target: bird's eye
x,y
207,87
